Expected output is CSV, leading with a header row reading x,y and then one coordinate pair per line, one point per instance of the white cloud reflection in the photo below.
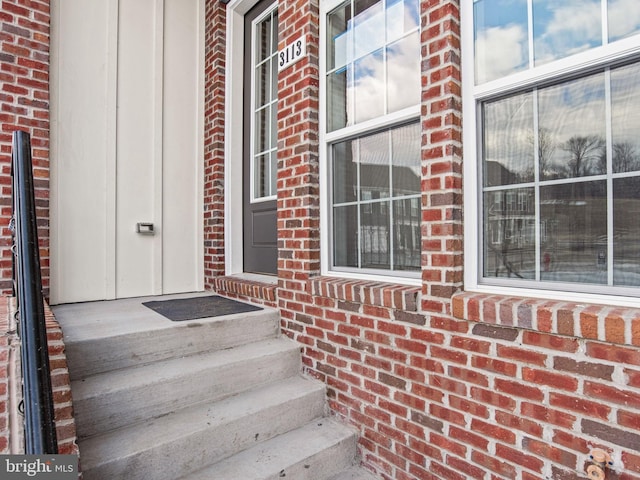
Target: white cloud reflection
x,y
500,51
563,28
382,71
624,18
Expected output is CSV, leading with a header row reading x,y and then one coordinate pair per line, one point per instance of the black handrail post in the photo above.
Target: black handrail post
x,y
40,432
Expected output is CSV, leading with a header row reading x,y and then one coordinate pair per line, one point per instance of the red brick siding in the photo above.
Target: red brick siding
x,y
298,188
61,386
247,290
451,384
24,105
441,154
214,108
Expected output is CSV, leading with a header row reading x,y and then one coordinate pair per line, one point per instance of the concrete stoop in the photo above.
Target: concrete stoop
x,y
219,398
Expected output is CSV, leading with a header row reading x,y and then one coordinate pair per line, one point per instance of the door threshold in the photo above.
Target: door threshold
x,y
256,277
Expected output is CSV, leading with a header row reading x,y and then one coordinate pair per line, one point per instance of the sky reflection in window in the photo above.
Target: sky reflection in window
x,y
561,28
379,48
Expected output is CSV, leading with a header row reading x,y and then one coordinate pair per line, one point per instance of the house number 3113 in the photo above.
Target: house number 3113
x,y
292,53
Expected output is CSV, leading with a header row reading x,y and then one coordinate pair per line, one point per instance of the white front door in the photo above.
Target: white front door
x,y
126,193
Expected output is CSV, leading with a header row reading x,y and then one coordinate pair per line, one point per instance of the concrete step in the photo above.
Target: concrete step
x,y
111,400
104,336
170,446
316,451
355,473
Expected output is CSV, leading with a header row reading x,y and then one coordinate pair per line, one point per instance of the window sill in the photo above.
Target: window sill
x,y
618,325
378,294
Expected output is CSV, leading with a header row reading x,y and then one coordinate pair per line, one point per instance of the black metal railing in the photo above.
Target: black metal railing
x,y
39,426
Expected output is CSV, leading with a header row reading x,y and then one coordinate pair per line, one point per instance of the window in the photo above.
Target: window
x,y
555,125
372,96
264,107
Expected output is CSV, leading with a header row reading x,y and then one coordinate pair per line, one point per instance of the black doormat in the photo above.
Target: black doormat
x,y
181,309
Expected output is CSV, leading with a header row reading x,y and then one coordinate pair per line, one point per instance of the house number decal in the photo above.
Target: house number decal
x,y
292,53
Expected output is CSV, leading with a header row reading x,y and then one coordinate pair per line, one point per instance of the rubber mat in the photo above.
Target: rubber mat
x,y
181,309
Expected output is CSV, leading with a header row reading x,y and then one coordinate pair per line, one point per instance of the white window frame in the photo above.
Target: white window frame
x,y
326,139
473,95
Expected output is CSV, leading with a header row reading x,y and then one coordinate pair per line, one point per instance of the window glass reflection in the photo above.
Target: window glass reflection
x,y
387,221
374,235
405,146
626,231
374,165
403,73
403,16
501,38
261,176
565,27
263,39
345,236
337,102
340,46
573,221
509,141
373,59
368,25
625,118
406,234
572,116
369,91
623,18
273,173
509,233
261,129
345,172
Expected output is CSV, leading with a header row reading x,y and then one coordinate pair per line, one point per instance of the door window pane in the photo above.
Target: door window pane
x,y
265,101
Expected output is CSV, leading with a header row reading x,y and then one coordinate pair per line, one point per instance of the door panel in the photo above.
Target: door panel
x,y
126,139
138,164
259,134
82,151
182,147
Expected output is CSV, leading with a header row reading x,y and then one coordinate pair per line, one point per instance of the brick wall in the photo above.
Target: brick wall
x,y
444,384
61,386
215,31
24,105
298,182
60,382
